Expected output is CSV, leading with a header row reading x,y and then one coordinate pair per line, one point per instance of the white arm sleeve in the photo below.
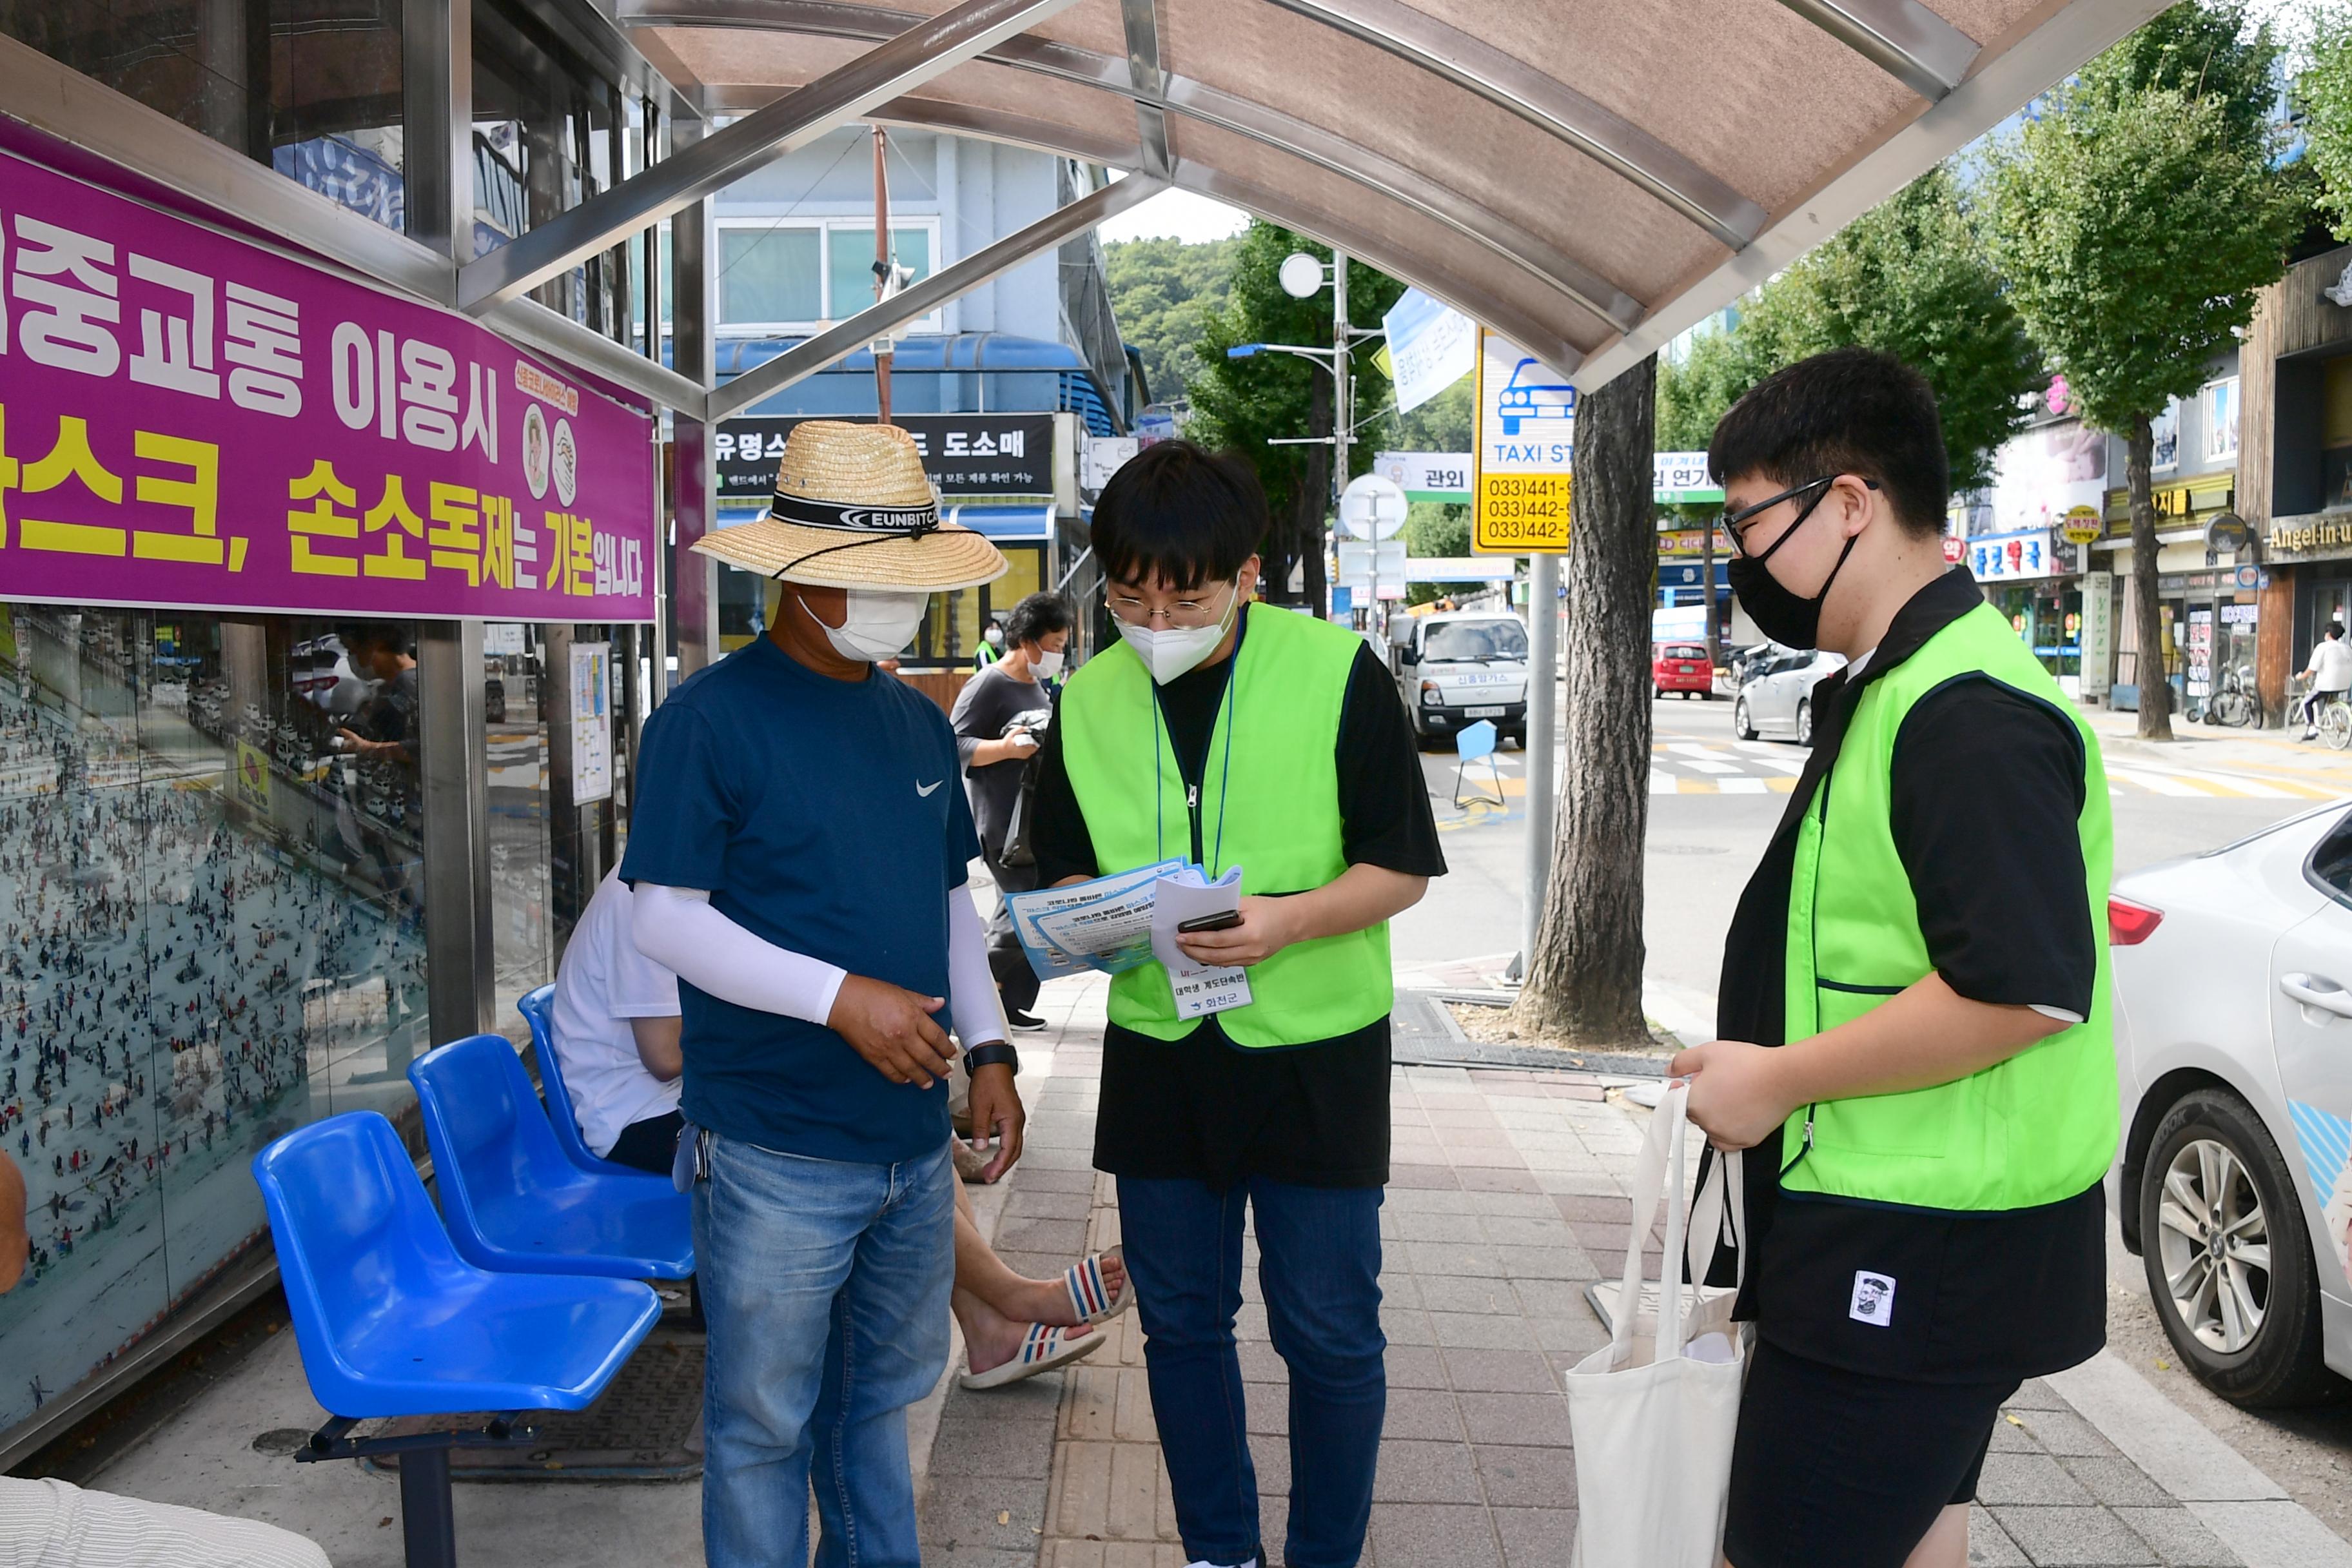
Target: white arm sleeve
x,y
972,985
677,928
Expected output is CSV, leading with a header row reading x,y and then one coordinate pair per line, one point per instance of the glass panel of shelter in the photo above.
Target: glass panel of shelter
x,y
214,920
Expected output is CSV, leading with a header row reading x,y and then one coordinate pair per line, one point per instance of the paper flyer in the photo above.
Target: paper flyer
x,y
1049,959
1187,895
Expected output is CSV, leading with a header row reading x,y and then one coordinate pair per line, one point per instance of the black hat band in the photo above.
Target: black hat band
x,y
848,517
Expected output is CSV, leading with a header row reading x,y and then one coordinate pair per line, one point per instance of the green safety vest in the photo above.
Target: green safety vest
x,y
2037,1128
1269,803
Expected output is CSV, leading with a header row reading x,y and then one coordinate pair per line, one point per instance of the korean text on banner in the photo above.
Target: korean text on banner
x,y
1526,451
187,419
1430,346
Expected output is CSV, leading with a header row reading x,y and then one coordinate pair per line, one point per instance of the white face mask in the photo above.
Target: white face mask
x,y
1047,664
1170,651
879,625
993,637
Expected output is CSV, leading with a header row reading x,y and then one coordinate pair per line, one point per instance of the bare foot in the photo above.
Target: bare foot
x,y
989,1337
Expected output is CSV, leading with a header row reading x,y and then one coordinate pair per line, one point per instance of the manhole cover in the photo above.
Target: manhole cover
x,y
281,1440
1688,849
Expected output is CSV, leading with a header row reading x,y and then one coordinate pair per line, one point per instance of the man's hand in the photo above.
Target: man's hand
x,y
1736,1095
892,1027
996,1111
1267,926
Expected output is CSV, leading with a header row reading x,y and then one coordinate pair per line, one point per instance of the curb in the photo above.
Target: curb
x,y
2251,1514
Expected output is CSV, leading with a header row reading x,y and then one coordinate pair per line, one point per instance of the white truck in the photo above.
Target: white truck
x,y
1456,668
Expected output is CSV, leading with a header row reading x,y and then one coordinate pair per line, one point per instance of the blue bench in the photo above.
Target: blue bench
x,y
391,1321
538,1010
512,1200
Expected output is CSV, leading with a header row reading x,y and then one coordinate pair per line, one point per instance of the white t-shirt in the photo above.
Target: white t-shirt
x,y
2331,665
603,982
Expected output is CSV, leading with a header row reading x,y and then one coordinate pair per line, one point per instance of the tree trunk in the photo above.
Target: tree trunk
x,y
1584,983
2155,683
1311,500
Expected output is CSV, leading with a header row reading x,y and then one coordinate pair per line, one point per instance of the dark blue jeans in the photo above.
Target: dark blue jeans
x,y
1320,1264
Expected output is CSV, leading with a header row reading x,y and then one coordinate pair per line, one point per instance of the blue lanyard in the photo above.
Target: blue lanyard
x,y
1224,781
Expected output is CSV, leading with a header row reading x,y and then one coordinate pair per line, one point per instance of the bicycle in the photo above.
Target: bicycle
x,y
2334,721
2234,704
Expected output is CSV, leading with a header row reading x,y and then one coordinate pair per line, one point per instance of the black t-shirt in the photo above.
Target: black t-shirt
x,y
1202,1108
985,708
1986,789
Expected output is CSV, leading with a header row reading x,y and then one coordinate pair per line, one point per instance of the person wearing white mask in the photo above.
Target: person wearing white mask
x,y
798,853
1244,737
995,719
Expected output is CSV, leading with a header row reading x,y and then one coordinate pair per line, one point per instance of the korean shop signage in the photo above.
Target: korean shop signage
x,y
965,454
188,420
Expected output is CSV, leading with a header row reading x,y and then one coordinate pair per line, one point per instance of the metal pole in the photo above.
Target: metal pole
x,y
881,271
1543,730
1341,435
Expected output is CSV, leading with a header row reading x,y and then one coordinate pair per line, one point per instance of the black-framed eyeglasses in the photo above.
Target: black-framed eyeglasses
x,y
1735,524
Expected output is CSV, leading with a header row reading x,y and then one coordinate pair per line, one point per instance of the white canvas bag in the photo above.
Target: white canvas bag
x,y
1652,1425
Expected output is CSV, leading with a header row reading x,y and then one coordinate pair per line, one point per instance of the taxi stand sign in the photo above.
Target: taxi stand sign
x,y
1525,447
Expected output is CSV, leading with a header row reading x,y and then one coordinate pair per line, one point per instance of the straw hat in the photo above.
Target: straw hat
x,y
855,510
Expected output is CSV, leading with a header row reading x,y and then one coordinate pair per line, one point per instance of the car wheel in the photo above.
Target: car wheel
x,y
1741,725
2228,1256
1805,721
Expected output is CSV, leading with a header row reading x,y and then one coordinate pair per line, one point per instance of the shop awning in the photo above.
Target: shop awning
x,y
1574,176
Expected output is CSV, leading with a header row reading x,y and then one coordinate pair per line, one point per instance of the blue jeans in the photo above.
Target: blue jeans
x,y
1320,1264
826,1285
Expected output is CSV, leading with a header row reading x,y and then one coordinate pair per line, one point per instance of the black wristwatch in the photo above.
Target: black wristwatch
x,y
991,1054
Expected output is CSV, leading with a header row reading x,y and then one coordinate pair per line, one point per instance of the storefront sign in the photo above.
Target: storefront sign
x,y
965,454
1955,549
1427,476
2098,632
591,722
2040,475
1526,451
2082,524
1681,479
187,419
2010,557
2310,535
1686,541
2227,533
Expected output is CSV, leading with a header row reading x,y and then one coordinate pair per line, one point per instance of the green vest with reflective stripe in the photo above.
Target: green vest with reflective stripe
x,y
2037,1128
1269,803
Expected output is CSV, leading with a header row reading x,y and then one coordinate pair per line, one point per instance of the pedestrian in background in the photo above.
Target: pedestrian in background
x,y
996,717
1922,945
1242,735
2330,674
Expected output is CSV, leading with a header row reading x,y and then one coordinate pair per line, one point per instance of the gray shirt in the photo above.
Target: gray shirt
x,y
989,703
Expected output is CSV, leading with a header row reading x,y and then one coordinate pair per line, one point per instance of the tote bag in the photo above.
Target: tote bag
x,y
1652,1425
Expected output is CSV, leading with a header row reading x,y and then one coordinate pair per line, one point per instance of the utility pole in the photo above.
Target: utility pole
x,y
1543,741
882,279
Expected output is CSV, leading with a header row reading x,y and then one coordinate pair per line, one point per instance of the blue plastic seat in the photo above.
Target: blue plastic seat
x,y
391,1321
538,1010
513,1202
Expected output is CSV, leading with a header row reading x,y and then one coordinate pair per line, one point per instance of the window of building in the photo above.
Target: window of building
x,y
2221,420
953,622
792,277
311,87
2164,444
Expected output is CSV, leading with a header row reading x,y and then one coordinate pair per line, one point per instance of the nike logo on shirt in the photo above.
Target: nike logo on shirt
x,y
924,791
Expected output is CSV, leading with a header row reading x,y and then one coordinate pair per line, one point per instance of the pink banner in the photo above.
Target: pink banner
x,y
189,420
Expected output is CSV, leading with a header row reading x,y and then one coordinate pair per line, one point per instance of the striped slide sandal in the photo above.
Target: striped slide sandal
x,y
1045,1348
1091,1295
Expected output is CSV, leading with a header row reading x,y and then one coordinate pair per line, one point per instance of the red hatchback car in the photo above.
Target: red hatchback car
x,y
1681,667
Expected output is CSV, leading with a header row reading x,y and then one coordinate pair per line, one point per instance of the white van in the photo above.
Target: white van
x,y
1459,667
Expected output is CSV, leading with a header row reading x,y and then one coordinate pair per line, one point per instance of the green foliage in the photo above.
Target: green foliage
x,y
2208,50
2323,97
2134,229
1242,403
1434,527
1163,291
1446,423
1909,276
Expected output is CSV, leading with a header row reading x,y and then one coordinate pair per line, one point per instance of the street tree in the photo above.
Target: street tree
x,y
1584,979
1162,291
2323,96
1249,403
2135,225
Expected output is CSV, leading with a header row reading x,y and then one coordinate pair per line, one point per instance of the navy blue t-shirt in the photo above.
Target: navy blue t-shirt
x,y
824,816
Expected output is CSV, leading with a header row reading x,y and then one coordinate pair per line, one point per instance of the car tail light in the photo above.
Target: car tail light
x,y
2129,924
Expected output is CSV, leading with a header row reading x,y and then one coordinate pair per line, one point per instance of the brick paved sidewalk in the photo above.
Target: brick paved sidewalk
x,y
1505,1202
